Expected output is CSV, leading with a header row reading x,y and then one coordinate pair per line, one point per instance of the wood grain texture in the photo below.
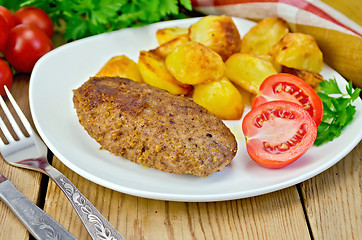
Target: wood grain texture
x,y
278,215
26,181
333,199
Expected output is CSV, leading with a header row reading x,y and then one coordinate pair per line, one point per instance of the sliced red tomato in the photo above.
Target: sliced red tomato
x,y
283,86
278,132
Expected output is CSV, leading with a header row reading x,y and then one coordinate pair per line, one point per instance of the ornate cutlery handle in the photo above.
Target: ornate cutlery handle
x,y
97,226
39,224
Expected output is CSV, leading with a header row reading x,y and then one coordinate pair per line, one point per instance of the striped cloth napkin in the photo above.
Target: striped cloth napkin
x,y
339,38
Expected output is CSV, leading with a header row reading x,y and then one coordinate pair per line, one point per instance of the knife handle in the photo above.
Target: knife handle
x,y
39,224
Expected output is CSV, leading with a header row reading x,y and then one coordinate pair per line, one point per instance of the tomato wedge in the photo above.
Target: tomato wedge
x,y
283,86
278,132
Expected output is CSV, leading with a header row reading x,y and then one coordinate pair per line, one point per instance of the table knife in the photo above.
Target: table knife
x,y
39,224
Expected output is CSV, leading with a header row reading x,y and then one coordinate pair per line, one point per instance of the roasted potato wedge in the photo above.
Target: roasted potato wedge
x,y
263,36
244,94
221,98
166,48
269,58
299,51
121,66
218,33
167,34
248,71
193,63
313,79
252,98
155,73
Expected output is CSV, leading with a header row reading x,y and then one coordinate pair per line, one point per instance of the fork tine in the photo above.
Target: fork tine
x,y
3,127
10,117
20,113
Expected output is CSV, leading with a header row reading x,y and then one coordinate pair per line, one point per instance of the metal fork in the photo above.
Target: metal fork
x,y
30,152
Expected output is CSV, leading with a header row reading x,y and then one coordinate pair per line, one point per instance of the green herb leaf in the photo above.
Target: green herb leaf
x,y
187,4
338,110
76,29
330,87
168,7
355,94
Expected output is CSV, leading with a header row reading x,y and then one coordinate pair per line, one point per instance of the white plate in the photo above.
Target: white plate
x,y
67,67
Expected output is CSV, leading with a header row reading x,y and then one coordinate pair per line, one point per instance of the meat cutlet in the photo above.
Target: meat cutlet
x,y
153,127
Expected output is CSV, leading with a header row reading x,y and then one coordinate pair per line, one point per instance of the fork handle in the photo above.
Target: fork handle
x,y
39,224
97,226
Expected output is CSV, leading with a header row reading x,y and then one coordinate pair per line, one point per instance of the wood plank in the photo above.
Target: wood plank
x,y
333,199
26,181
278,215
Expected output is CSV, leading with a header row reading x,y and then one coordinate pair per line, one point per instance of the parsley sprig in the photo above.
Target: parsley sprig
x,y
84,18
338,109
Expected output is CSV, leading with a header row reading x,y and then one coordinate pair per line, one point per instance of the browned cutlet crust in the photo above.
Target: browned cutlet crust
x,y
153,127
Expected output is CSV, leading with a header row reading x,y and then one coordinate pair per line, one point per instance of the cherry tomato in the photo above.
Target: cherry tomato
x,y
36,17
288,87
278,132
26,44
6,77
8,16
4,33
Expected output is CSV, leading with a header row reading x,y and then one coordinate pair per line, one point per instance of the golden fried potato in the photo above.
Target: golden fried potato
x,y
269,58
263,36
218,33
245,95
248,71
121,66
252,98
299,51
165,49
155,73
167,34
193,63
221,98
313,79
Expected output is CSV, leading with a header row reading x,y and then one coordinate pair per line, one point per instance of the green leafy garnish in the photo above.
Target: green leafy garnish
x,y
338,109
83,18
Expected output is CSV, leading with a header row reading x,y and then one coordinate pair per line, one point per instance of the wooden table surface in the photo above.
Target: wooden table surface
x,y
327,206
